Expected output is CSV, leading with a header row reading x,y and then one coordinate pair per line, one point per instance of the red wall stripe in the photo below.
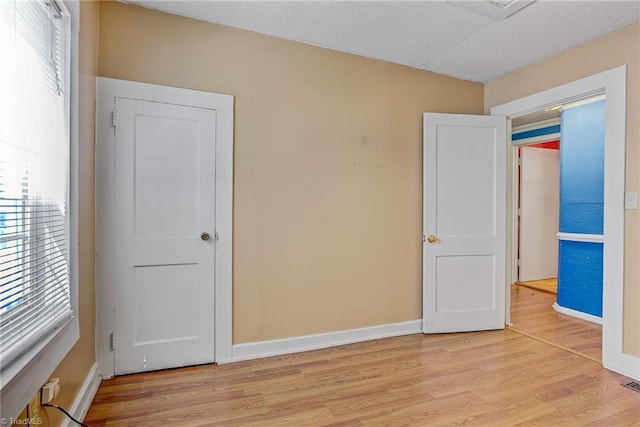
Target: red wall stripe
x,y
551,145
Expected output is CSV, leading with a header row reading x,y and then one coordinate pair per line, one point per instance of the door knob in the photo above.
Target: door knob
x,y
432,238
205,236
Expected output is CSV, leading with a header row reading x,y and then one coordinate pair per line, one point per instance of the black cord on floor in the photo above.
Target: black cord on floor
x,y
66,413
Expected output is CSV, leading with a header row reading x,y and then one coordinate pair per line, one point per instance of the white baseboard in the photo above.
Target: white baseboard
x,y
85,396
578,314
255,350
631,366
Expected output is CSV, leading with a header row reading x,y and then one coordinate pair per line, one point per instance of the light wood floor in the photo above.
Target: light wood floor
x,y
531,313
496,378
548,285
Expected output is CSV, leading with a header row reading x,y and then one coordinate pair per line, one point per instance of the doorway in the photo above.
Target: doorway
x,y
612,84
567,317
537,136
171,277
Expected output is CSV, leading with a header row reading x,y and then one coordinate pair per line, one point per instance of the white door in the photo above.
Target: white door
x,y
164,202
539,213
464,222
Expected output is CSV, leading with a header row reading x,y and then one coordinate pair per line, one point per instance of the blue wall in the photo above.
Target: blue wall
x,y
582,169
580,276
581,207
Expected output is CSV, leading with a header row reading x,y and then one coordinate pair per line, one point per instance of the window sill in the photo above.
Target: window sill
x,y
20,381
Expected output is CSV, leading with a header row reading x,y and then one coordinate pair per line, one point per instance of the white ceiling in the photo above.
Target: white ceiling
x,y
440,36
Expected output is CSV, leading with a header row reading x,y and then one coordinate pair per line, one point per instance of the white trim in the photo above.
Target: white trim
x,y
21,380
248,351
105,294
28,377
84,398
511,239
630,366
577,237
536,139
107,90
255,350
577,314
612,84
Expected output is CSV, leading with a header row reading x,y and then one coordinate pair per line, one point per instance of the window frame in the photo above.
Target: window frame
x,y
22,379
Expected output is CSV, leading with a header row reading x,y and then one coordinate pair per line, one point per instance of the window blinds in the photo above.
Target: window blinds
x,y
35,296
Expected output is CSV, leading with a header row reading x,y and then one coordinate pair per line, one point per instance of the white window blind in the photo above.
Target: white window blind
x,y
34,174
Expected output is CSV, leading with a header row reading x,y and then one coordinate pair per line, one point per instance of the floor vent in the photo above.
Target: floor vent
x,y
632,385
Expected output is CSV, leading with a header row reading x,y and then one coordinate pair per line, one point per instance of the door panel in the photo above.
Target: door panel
x,y
153,289
165,154
164,182
474,276
539,218
464,223
471,149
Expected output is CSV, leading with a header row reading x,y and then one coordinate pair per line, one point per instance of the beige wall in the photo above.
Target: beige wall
x,y
620,48
327,183
74,368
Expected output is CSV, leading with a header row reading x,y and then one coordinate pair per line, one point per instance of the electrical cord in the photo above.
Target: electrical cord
x,y
66,413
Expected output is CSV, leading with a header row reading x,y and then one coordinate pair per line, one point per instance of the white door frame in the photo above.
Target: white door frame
x,y
612,84
107,91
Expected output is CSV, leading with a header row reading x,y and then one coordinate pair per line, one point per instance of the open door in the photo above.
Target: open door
x,y
464,213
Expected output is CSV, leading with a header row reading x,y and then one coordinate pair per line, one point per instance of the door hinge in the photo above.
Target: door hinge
x,y
113,118
519,161
519,212
112,341
518,263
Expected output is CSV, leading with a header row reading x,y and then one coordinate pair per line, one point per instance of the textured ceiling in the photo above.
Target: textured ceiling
x,y
440,36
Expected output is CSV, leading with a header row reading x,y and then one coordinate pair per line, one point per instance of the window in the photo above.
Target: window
x,y
35,286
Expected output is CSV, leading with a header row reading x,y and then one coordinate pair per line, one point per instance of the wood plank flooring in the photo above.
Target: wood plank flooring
x,y
532,314
547,285
495,378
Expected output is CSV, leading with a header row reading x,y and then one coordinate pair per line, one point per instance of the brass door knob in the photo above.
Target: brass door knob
x,y
432,238
205,236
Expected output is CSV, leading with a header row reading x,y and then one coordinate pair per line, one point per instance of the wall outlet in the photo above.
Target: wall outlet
x,y
50,390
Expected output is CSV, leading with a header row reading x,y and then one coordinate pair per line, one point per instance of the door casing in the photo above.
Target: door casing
x,y
612,84
107,91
